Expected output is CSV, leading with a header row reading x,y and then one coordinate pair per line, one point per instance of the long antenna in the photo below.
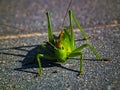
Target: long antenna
x,y
66,12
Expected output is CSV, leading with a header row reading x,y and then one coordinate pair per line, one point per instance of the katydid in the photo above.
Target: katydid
x,y
63,47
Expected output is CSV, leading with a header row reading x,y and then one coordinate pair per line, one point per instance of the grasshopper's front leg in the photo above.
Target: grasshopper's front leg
x,y
39,56
78,53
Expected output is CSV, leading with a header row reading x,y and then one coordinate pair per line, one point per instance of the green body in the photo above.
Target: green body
x,y
64,47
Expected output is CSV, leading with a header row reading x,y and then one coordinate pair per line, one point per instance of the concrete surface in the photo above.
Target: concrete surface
x,y
20,21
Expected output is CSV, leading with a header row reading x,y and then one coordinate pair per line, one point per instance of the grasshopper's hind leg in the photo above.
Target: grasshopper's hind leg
x,y
91,48
85,37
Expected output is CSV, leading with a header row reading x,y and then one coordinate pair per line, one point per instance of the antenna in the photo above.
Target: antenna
x,y
66,12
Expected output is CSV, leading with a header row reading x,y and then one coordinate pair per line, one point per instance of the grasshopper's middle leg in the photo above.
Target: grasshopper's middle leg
x,y
91,48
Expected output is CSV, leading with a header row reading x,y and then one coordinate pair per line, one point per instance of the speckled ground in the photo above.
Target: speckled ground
x,y
98,75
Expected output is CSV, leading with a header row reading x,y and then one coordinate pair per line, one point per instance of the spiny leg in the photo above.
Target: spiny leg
x,y
74,54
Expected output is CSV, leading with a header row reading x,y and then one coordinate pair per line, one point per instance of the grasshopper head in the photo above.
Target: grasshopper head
x,y
61,54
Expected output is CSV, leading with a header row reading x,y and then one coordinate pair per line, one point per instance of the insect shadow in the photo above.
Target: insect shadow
x,y
30,61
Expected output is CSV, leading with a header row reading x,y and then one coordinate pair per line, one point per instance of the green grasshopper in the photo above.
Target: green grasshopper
x,y
63,47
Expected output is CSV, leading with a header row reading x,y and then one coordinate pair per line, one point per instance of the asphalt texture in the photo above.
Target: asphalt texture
x,y
21,20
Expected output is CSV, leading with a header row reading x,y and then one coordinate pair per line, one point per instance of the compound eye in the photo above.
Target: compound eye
x,y
62,47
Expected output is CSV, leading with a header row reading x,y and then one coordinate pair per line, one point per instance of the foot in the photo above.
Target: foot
x,y
90,36
38,74
28,63
56,71
106,59
80,73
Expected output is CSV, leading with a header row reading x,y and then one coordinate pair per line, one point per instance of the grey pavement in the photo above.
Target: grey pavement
x,y
21,20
